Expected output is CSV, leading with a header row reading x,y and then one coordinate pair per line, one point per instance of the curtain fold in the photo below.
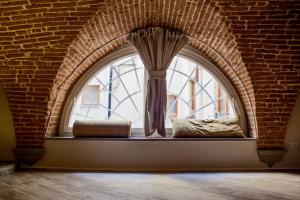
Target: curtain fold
x,y
156,47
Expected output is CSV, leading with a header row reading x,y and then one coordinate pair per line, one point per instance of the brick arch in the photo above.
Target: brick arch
x,y
201,21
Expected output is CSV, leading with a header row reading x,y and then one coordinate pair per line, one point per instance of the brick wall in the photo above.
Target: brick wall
x,y
34,37
45,45
268,38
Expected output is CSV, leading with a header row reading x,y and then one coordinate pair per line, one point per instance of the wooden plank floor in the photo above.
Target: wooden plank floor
x,y
36,185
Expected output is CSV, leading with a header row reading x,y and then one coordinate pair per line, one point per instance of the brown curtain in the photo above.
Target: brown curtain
x,y
156,47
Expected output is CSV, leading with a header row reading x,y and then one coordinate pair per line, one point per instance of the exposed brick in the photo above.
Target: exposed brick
x,y
45,46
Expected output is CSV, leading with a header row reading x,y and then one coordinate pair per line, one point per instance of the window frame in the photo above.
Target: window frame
x,y
192,92
128,50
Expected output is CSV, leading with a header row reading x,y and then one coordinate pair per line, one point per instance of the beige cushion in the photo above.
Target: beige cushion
x,y
194,128
105,128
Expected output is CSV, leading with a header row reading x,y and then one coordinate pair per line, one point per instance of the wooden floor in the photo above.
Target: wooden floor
x,y
183,186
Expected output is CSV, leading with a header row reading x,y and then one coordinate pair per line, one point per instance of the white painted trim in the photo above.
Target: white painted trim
x,y
187,52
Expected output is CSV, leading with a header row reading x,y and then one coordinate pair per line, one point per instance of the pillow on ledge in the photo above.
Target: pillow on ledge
x,y
210,128
104,128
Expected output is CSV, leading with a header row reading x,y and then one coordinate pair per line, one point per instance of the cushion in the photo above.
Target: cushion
x,y
210,128
104,128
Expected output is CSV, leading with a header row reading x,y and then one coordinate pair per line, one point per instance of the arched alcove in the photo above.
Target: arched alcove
x,y
216,60
42,60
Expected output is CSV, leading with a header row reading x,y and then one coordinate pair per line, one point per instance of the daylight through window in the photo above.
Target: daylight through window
x,y
116,92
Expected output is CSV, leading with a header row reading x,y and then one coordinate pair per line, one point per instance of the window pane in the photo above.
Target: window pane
x,y
90,95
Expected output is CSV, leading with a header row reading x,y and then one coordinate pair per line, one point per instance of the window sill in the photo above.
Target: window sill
x,y
149,139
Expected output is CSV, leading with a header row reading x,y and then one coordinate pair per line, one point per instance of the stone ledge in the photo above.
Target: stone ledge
x,y
28,155
270,156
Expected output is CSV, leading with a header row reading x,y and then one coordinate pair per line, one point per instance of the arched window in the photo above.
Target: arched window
x,y
115,91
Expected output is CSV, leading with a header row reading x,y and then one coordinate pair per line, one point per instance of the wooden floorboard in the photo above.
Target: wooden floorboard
x,y
35,185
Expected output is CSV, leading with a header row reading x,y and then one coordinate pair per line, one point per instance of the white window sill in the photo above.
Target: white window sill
x,y
143,138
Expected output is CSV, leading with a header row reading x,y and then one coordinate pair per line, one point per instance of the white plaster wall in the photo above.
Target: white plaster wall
x,y
7,136
292,157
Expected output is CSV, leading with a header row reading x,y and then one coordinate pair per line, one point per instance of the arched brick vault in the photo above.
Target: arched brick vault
x,y
109,28
40,48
